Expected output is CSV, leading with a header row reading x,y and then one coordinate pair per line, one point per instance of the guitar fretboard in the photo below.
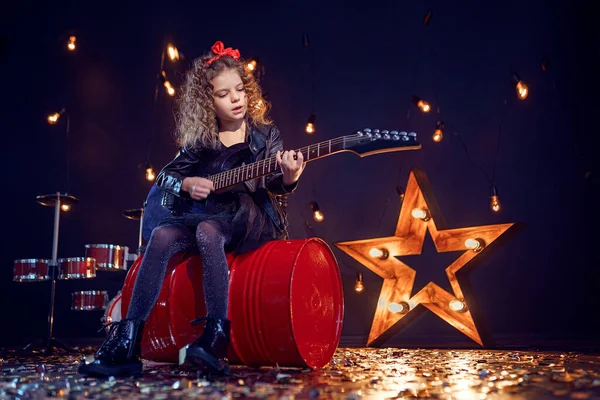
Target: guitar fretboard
x,y
269,165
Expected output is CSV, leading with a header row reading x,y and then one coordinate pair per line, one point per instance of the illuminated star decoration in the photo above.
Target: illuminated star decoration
x,y
420,212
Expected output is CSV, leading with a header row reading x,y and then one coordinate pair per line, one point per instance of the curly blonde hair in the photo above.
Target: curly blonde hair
x,y
197,124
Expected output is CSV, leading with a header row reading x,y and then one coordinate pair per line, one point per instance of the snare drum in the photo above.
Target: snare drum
x,y
113,310
31,270
89,300
77,268
109,257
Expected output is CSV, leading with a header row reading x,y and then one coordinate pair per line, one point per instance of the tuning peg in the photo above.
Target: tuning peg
x,y
403,133
367,130
413,134
359,133
394,133
386,135
385,132
376,131
368,134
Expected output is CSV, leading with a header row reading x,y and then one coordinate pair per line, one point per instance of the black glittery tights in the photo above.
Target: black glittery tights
x,y
168,240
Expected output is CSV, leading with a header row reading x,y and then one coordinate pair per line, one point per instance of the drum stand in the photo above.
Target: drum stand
x,y
57,200
136,214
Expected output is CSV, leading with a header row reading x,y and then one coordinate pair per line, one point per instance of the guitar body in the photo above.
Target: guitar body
x,y
161,205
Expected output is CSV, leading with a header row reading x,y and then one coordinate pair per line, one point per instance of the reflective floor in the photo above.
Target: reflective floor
x,y
353,373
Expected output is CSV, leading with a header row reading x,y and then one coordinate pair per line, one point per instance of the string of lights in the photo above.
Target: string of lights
x,y
54,119
173,54
522,91
310,128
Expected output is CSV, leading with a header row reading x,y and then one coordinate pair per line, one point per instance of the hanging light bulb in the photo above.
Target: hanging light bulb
x,y
170,89
167,84
420,213
438,135
54,117
252,65
522,89
381,253
359,286
150,175
173,52
65,207
310,125
71,43
423,105
494,203
317,213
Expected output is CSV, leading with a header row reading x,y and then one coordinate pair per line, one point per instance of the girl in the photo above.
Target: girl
x,y
220,108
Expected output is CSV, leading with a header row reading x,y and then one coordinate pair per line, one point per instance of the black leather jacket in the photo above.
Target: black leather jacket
x,y
268,191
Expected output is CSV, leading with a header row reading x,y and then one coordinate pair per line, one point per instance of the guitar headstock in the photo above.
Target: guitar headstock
x,y
366,142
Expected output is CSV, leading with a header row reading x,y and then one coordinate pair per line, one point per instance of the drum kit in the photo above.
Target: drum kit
x,y
98,257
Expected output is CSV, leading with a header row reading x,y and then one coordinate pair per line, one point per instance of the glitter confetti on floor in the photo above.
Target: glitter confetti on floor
x,y
353,373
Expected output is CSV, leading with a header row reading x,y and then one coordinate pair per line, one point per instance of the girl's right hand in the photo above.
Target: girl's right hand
x,y
198,188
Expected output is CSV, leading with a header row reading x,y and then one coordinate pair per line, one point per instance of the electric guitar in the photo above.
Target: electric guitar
x,y
366,142
235,166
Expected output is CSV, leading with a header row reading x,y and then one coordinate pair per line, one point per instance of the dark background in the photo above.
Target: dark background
x,y
539,289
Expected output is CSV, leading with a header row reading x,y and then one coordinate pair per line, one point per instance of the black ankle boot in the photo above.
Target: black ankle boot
x,y
210,350
120,354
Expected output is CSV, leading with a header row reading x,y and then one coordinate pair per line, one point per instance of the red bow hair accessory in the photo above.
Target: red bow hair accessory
x,y
219,49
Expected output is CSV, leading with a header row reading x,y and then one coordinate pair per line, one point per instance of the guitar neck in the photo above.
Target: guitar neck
x,y
269,165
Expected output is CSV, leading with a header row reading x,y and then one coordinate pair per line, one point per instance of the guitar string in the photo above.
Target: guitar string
x,y
232,173
227,177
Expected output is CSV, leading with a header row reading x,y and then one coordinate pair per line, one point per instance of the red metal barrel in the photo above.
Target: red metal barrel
x,y
285,305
